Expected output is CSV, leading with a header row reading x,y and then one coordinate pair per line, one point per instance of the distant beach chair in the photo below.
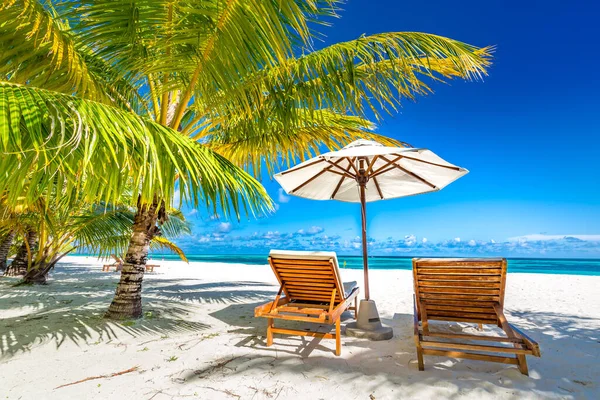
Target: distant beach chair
x,y
150,267
118,264
314,292
465,290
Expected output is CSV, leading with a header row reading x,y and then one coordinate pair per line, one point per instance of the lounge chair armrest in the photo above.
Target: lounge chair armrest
x,y
511,331
342,306
415,316
532,344
266,308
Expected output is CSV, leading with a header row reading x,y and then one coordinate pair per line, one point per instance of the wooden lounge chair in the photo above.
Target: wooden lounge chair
x,y
118,264
313,291
150,267
466,290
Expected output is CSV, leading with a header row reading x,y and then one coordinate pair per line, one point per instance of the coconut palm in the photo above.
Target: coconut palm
x,y
240,77
70,225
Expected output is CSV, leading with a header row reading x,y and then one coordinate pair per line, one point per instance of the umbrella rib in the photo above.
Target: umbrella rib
x,y
351,161
376,172
413,175
316,175
302,166
432,163
378,188
383,172
340,183
372,164
345,171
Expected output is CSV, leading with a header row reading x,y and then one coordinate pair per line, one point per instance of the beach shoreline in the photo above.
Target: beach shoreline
x,y
199,339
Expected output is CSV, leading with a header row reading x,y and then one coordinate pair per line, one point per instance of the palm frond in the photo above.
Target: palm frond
x,y
355,76
162,243
54,142
273,140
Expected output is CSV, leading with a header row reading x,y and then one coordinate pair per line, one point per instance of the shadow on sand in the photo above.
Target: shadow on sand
x,y
394,361
71,308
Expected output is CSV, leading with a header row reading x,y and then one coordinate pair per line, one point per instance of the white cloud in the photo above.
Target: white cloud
x,y
192,213
224,227
424,240
457,239
472,243
410,240
282,198
542,237
313,230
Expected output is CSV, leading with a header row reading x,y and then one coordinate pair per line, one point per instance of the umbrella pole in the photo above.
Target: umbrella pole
x,y
367,325
363,206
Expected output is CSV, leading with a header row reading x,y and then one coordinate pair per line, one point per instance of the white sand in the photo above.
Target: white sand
x,y
199,339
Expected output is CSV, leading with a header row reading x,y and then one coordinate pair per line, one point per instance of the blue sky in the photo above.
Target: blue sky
x,y
529,134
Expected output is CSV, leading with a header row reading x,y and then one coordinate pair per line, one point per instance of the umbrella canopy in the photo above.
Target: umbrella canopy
x,y
365,171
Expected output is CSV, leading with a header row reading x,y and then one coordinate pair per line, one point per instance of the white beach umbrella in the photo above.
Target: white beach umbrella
x,y
365,171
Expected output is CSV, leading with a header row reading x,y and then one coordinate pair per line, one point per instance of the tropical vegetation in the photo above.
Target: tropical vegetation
x,y
114,102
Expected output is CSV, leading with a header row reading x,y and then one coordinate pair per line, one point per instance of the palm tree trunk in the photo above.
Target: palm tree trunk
x,y
38,274
5,248
19,265
127,302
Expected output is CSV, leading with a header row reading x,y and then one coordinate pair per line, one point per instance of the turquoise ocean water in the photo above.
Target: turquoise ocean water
x,y
531,265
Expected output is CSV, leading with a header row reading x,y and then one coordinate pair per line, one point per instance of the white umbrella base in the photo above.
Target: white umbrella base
x,y
368,325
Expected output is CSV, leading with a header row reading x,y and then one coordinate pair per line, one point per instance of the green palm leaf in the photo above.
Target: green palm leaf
x,y
54,142
274,141
354,76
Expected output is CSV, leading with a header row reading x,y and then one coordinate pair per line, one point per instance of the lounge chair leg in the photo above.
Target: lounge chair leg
x,y
269,331
356,307
420,359
480,327
338,338
522,364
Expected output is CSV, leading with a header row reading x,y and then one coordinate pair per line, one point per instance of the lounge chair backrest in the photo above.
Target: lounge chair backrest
x,y
307,275
455,289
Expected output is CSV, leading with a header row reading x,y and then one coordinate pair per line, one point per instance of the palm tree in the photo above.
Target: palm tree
x,y
239,77
72,225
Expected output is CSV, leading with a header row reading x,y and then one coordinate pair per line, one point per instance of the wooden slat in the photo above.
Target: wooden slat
x,y
463,319
307,279
459,271
466,303
301,266
298,310
470,356
312,296
449,307
460,290
460,284
442,296
458,314
299,262
454,278
309,292
476,347
309,305
303,273
310,284
465,336
298,317
454,264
